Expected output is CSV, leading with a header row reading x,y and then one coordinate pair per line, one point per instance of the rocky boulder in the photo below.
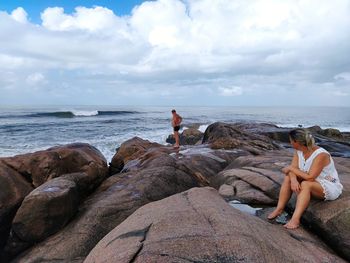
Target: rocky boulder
x,y
129,150
190,136
157,173
43,212
42,166
252,185
13,189
21,174
211,231
331,139
232,136
46,209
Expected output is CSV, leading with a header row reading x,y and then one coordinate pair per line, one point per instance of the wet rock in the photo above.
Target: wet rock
x,y
253,185
247,194
117,198
43,212
157,173
22,173
13,189
331,139
227,191
190,136
330,220
211,231
42,166
129,150
333,133
231,136
46,209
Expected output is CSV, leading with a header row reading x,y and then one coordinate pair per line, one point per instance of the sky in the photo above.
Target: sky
x,y
175,52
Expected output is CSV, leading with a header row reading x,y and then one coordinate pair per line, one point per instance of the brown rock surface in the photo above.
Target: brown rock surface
x,y
190,136
129,150
145,172
43,212
232,136
46,210
211,231
331,220
247,194
155,175
13,189
22,173
42,166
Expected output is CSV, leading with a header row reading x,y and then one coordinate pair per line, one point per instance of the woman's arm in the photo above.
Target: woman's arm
x,y
317,166
295,185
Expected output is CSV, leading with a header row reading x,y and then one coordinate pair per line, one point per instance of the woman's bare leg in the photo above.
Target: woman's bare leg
x,y
284,196
308,189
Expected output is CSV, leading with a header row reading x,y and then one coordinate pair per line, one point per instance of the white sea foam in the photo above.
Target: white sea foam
x,y
203,127
84,113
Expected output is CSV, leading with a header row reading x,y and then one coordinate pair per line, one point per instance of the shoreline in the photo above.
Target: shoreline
x,y
108,153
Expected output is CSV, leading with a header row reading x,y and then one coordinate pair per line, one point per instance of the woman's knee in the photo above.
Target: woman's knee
x,y
306,185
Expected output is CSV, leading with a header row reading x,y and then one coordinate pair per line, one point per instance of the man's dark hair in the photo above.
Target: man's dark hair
x,y
173,111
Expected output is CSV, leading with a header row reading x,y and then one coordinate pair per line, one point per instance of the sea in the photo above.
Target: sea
x,y
30,129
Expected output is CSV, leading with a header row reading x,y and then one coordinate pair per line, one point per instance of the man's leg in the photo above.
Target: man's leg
x,y
177,139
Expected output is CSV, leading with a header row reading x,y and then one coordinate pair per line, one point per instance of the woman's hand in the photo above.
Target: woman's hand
x,y
286,169
294,185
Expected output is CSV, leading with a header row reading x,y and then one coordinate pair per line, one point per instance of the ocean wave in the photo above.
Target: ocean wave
x,y
77,113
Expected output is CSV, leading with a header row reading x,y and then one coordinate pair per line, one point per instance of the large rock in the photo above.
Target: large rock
x,y
157,173
211,231
129,150
331,220
13,189
117,198
252,185
43,212
190,136
331,139
47,212
42,166
230,136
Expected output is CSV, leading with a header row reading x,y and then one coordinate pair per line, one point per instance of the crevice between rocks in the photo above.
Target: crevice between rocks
x,y
145,232
26,176
258,172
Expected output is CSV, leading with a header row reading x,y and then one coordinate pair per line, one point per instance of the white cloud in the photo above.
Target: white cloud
x,y
35,78
340,93
230,91
265,48
20,15
90,19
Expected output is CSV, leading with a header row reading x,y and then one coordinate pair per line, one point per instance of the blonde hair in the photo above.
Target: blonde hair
x,y
303,137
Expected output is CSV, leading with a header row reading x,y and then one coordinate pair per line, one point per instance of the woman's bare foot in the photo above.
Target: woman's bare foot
x,y
275,213
292,225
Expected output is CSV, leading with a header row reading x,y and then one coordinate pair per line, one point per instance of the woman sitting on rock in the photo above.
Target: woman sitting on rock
x,y
311,173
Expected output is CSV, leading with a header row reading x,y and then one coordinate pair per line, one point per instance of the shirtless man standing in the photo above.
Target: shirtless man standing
x,y
176,125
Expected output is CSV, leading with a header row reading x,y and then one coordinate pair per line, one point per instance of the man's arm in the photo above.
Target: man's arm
x,y
180,119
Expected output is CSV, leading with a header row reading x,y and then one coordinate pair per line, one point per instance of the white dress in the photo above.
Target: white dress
x,y
328,178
